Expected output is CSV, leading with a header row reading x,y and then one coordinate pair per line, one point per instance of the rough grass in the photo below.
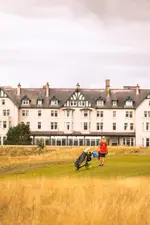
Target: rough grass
x,y
74,201
34,150
47,190
60,161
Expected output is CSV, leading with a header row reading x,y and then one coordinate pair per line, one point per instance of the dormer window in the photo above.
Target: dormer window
x,y
114,103
2,93
39,102
25,101
54,102
129,103
148,96
100,102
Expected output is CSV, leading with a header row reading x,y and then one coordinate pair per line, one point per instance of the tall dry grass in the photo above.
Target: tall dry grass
x,y
17,154
71,201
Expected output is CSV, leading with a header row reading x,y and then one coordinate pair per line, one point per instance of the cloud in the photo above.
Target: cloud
x,y
103,9
74,40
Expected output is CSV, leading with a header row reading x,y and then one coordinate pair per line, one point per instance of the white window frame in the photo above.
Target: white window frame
x,y
25,101
25,112
100,102
129,103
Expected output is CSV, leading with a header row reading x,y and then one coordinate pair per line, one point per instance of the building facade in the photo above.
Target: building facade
x,y
78,116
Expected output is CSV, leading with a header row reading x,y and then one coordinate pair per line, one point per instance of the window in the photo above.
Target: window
x,y
147,142
129,103
125,126
39,112
132,141
100,114
68,113
2,93
85,113
54,102
82,103
25,102
146,113
25,112
114,102
54,125
100,103
147,126
73,103
4,112
131,126
40,102
54,113
3,101
99,126
129,114
128,141
114,114
68,126
85,126
114,126
39,125
4,124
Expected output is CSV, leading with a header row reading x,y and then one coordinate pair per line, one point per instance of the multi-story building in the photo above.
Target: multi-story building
x,y
78,116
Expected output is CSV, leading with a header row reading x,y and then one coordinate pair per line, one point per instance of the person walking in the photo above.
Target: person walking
x,y
102,150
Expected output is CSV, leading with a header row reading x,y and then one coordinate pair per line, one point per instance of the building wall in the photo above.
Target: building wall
x,y
141,132
73,120
11,119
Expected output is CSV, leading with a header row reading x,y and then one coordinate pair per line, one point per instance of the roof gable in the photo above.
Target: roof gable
x,y
77,99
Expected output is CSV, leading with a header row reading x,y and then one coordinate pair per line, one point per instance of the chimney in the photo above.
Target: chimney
x,y
137,89
77,85
107,82
18,89
47,89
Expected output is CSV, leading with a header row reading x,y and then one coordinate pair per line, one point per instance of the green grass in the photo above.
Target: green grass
x,y
115,166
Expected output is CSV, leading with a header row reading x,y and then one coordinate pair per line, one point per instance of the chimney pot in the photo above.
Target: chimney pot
x,y
47,89
137,89
77,85
18,89
107,82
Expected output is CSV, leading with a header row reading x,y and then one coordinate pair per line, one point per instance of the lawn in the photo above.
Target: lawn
x,y
115,166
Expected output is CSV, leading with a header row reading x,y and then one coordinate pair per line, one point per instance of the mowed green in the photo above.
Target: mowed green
x,y
115,166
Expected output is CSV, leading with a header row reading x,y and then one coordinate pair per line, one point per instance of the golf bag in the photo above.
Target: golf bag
x,y
85,156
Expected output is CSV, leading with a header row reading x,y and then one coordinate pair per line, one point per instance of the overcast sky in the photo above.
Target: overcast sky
x,y
69,41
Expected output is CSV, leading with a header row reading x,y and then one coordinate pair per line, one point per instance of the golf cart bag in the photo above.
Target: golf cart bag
x,y
85,156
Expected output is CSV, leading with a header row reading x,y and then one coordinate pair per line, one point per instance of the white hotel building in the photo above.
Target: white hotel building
x,y
78,116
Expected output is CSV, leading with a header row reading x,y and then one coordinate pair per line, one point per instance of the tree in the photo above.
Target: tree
x,y
18,135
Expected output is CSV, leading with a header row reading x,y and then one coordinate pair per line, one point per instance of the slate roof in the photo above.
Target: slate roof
x,y
63,94
75,133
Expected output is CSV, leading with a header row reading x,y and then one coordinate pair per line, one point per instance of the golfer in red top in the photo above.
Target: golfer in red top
x,y
102,151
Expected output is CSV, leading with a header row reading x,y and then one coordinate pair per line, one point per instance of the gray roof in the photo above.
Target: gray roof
x,y
63,94
61,133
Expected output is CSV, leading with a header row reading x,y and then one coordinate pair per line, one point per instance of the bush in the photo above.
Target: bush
x,y
18,135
